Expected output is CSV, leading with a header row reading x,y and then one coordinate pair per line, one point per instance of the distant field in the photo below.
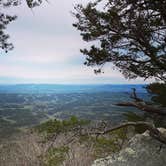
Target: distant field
x,y
27,105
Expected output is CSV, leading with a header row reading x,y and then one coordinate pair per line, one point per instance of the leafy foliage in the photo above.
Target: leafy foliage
x,y
104,145
133,117
111,143
129,33
51,127
158,90
55,156
6,19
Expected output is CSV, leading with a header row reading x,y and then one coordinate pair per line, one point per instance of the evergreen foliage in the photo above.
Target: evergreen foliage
x,y
133,117
6,19
129,33
52,127
158,91
55,156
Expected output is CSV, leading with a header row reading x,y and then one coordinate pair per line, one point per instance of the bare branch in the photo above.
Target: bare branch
x,y
144,107
154,132
134,96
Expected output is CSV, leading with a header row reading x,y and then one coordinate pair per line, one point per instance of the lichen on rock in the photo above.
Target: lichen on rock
x,y
141,150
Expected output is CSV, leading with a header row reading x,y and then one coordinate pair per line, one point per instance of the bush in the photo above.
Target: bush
x,y
55,156
158,90
52,127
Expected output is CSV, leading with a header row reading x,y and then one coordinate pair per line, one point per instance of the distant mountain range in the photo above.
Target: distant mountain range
x,y
58,88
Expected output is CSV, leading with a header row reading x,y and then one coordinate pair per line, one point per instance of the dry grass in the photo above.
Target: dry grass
x,y
28,149
79,154
22,151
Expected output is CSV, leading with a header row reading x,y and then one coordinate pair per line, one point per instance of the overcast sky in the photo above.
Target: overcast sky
x,y
47,49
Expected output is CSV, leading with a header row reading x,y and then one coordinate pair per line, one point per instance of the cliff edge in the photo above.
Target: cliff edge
x,y
141,150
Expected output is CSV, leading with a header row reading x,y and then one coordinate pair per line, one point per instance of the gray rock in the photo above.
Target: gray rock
x,y
142,150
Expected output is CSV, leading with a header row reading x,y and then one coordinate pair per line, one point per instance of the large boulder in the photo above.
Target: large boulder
x,y
141,150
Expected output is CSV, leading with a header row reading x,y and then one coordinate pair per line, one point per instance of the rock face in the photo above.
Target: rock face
x,y
141,150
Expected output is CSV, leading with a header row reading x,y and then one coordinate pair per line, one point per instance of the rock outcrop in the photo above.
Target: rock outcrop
x,y
141,150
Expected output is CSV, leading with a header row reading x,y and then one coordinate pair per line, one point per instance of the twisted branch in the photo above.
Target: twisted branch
x,y
154,132
142,105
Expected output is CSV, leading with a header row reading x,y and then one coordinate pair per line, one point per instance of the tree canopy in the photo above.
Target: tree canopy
x,y
5,20
129,33
158,91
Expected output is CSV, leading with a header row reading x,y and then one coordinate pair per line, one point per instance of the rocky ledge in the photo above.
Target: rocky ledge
x,y
141,150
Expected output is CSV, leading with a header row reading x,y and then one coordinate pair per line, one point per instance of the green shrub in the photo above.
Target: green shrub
x,y
51,127
106,144
55,156
133,117
158,91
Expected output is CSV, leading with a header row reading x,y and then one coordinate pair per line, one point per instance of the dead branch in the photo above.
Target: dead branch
x,y
134,96
154,132
144,107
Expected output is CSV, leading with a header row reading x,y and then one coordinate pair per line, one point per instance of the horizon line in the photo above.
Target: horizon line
x,y
72,84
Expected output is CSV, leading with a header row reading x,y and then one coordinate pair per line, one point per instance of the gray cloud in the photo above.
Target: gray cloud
x,y
47,48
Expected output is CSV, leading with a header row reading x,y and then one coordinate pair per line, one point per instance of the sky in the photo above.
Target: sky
x,y
47,49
